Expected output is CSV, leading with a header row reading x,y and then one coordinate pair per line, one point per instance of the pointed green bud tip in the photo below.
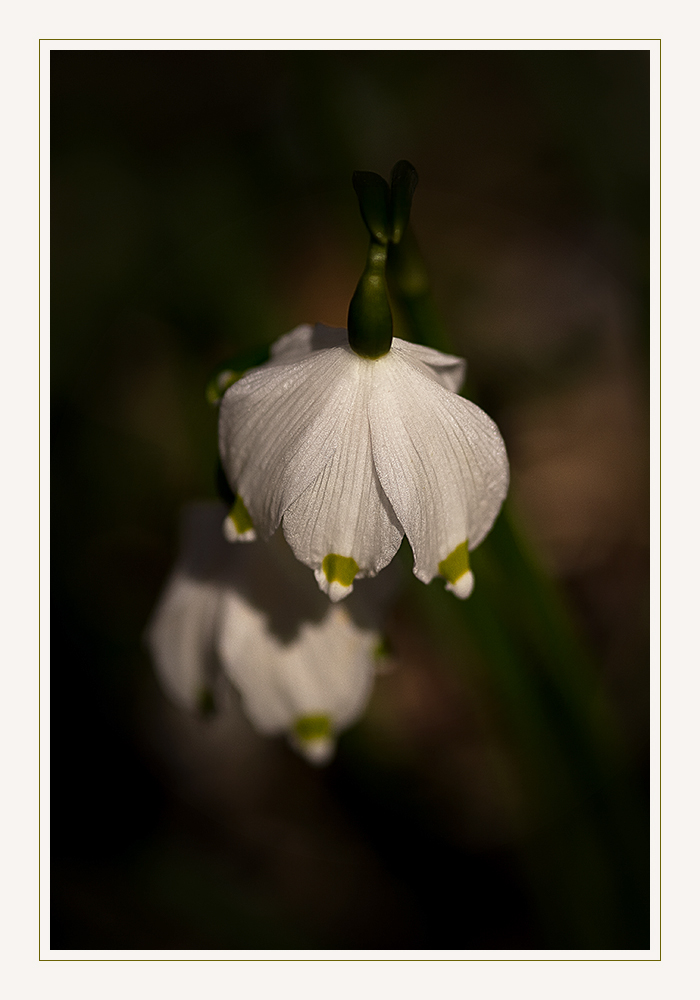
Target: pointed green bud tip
x,y
374,197
404,179
455,569
238,526
336,575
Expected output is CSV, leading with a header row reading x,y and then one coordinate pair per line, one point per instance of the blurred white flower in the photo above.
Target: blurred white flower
x,y
302,667
349,453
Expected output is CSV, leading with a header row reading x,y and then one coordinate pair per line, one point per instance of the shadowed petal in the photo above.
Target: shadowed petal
x,y
305,339
310,688
181,637
249,653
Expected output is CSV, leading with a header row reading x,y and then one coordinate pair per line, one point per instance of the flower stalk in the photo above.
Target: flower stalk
x,y
370,326
385,212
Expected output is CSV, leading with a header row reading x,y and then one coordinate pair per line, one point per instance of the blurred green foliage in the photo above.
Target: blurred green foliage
x,y
201,205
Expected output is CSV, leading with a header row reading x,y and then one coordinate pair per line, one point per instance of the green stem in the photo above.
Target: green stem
x,y
370,326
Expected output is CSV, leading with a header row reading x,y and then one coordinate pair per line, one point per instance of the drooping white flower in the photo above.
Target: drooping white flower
x,y
349,453
302,667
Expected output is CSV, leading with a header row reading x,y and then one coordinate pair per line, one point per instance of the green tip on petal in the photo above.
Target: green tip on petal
x,y
312,736
336,575
238,526
456,564
313,727
342,569
455,569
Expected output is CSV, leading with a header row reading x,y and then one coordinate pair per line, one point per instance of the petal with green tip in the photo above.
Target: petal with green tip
x,y
344,513
440,460
455,569
323,677
238,526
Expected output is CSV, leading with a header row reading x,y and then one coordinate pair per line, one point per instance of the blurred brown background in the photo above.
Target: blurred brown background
x,y
201,204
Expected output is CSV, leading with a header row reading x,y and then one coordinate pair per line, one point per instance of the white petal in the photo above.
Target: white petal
x,y
334,588
232,534
345,511
293,345
237,526
304,339
440,459
318,751
463,585
446,369
180,637
280,425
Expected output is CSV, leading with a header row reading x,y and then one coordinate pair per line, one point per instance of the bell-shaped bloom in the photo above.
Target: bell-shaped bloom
x,y
302,667
350,453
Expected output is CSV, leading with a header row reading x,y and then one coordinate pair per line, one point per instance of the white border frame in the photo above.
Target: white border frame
x,y
322,957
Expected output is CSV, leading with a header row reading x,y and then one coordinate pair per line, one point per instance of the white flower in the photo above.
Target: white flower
x,y
302,666
349,453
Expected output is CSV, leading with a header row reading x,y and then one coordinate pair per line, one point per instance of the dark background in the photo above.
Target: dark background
x,y
201,205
